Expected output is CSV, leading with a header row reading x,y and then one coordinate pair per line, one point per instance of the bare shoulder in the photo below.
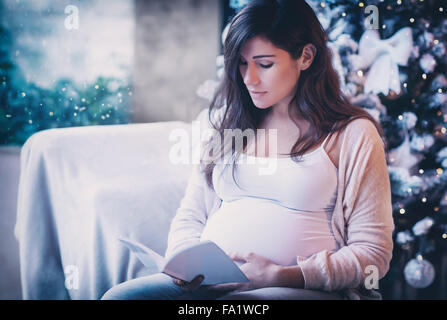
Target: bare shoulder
x,y
353,129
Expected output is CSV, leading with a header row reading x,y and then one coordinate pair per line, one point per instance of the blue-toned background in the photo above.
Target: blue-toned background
x,y
157,60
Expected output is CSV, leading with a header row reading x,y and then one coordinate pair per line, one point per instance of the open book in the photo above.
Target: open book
x,y
204,258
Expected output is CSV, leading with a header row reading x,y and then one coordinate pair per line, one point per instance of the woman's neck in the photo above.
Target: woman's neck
x,y
281,120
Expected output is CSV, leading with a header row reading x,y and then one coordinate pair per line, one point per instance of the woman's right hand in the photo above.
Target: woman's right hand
x,y
189,286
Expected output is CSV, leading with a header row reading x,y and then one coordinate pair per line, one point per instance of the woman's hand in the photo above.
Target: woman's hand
x,y
189,286
261,272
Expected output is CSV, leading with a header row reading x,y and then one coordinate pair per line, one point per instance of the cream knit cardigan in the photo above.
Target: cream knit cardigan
x,y
362,220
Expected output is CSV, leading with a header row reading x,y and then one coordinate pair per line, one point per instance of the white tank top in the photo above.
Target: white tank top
x,y
279,216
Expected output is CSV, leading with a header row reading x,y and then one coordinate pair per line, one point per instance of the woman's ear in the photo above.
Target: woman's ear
x,y
308,55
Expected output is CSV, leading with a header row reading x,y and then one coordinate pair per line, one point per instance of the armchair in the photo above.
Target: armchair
x,y
80,189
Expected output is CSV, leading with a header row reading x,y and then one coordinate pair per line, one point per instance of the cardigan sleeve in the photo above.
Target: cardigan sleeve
x,y
190,218
367,214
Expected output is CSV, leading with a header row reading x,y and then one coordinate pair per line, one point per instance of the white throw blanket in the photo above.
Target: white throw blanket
x,y
82,188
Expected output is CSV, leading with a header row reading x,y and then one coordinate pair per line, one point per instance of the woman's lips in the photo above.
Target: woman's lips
x,y
257,94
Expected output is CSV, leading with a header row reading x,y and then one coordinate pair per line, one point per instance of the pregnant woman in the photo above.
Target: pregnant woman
x,y
312,227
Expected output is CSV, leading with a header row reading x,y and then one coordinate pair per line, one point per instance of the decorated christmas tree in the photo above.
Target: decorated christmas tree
x,y
391,59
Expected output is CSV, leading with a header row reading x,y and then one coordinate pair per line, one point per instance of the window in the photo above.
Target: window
x,y
64,64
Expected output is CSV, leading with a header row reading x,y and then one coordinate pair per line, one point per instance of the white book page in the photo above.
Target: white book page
x,y
147,256
204,258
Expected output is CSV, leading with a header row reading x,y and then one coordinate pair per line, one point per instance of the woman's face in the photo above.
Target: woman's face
x,y
269,73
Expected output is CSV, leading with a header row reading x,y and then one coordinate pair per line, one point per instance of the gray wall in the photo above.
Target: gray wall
x,y
176,45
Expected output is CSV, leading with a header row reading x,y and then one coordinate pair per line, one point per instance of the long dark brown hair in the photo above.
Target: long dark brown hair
x,y
288,25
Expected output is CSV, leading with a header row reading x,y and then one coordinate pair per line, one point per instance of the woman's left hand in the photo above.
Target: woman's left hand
x,y
261,272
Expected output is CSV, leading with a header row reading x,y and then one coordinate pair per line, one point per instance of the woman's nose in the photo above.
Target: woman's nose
x,y
250,76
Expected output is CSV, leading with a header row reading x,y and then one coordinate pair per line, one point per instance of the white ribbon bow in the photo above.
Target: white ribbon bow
x,y
383,58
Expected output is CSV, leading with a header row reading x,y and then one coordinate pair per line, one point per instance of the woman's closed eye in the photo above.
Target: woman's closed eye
x,y
265,66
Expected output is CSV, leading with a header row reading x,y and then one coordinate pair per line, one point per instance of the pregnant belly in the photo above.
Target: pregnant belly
x,y
268,229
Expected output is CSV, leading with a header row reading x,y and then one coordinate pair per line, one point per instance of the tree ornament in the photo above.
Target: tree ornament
x,y
403,157
419,273
382,57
